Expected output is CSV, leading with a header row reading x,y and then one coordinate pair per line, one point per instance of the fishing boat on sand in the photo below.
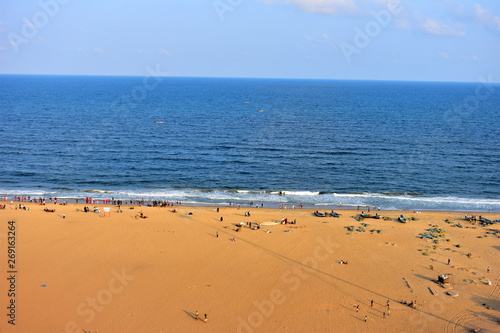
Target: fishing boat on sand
x,y
270,223
402,219
369,216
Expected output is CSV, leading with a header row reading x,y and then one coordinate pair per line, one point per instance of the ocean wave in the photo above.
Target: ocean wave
x,y
98,191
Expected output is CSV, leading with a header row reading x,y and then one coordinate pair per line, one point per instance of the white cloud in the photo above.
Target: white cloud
x,y
165,52
485,17
329,7
472,57
444,55
434,27
325,36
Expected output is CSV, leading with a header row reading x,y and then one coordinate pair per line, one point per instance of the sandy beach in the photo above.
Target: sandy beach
x,y
117,272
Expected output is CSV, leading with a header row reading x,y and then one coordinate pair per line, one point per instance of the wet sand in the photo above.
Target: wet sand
x,y
120,273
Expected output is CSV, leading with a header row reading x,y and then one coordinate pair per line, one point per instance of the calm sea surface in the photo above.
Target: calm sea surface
x,y
408,145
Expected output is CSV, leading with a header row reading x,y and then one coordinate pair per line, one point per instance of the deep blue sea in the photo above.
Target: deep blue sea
x,y
394,145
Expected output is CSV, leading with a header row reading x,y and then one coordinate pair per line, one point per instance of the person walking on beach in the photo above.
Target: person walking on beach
x,y
365,319
221,219
449,261
217,234
357,308
196,315
371,304
206,319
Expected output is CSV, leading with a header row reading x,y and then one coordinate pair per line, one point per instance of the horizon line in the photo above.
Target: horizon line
x,y
246,77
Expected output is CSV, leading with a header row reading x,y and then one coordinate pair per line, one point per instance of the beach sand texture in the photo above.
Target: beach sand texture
x,y
119,273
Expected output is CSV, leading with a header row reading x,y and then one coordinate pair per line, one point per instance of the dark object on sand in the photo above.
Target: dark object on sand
x,y
443,279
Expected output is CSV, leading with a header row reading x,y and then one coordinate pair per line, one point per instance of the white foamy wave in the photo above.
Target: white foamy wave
x,y
301,193
383,201
25,192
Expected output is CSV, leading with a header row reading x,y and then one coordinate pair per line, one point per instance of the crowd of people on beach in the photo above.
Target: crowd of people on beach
x,y
285,221
95,210
20,206
141,215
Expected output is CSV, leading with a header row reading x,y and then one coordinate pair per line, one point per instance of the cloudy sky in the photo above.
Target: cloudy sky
x,y
431,40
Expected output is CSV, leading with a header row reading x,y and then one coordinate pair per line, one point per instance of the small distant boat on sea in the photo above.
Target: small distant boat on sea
x,y
158,122
402,219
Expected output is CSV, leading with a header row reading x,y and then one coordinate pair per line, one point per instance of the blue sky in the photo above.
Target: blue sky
x,y
430,40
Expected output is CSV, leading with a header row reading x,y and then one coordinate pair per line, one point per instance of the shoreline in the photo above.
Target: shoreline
x,y
267,205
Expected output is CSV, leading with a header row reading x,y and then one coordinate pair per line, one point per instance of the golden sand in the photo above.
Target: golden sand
x,y
119,273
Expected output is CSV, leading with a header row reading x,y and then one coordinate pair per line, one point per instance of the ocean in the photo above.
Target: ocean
x,y
323,143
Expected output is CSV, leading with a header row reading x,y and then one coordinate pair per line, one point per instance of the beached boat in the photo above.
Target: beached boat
x,y
318,214
369,216
402,219
485,220
270,223
334,214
